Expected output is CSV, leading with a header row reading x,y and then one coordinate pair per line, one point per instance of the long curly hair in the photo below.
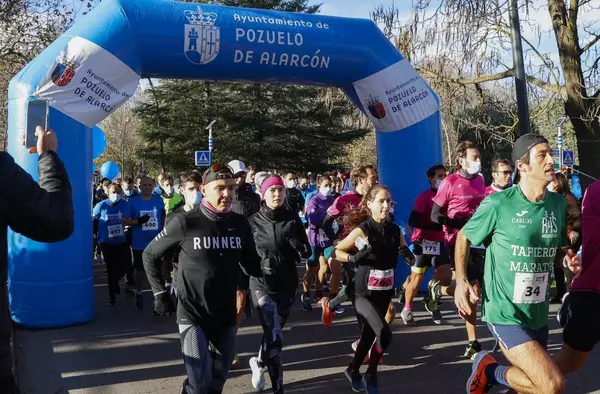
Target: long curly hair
x,y
355,217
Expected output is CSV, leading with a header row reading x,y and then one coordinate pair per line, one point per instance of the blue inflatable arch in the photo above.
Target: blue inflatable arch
x,y
96,65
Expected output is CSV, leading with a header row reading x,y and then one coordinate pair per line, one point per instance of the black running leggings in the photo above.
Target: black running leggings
x,y
273,311
115,260
375,332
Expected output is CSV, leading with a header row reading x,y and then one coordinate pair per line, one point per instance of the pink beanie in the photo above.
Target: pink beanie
x,y
270,181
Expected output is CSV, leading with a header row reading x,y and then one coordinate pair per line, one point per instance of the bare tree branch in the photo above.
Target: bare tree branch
x,y
590,44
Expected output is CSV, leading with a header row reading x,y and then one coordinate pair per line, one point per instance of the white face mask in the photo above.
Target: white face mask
x,y
113,198
325,191
290,184
438,182
193,200
168,190
474,168
550,187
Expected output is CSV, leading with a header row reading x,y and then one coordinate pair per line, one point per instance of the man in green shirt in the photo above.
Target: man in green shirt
x,y
523,229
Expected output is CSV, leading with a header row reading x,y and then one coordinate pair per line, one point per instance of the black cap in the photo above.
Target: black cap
x,y
215,172
522,146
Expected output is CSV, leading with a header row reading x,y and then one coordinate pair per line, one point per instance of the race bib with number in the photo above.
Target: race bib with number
x,y
431,248
530,288
381,280
152,224
115,231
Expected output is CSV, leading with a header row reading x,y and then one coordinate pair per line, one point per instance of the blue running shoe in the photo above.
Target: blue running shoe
x,y
306,302
371,385
356,382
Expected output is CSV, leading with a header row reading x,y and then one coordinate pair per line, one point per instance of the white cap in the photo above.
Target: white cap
x,y
237,166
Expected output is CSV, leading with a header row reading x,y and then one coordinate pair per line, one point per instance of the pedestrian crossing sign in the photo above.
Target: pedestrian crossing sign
x,y
203,158
568,158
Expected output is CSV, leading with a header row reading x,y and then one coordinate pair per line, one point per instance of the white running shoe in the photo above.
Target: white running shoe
x,y
258,375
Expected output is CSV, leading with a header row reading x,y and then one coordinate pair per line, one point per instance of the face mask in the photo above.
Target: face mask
x,y
168,190
325,191
129,193
438,182
289,184
194,200
157,190
550,188
114,198
474,168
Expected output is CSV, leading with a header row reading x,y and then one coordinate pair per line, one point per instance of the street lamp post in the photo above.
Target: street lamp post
x,y
210,136
559,139
519,68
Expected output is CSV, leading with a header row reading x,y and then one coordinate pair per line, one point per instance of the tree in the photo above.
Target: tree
x,y
271,126
465,45
26,28
123,144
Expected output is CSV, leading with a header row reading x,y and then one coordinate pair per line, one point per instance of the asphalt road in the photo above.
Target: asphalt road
x,y
124,350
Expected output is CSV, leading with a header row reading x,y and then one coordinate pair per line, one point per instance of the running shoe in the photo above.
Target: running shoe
x,y
326,313
434,291
139,300
236,360
306,302
371,385
258,374
356,382
478,381
436,316
112,301
471,350
407,317
339,309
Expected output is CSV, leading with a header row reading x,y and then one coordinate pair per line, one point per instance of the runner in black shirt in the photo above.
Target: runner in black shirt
x,y
213,241
378,241
280,240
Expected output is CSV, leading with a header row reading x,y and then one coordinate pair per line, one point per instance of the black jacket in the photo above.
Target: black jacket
x,y
280,240
41,211
294,200
212,250
245,201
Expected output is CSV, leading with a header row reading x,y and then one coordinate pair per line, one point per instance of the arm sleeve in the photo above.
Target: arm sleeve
x,y
436,214
250,263
170,236
418,220
483,223
327,226
44,211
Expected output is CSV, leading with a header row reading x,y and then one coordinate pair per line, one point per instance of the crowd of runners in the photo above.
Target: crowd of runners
x,y
225,243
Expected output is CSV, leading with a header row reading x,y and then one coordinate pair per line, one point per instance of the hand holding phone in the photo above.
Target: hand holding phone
x,y
37,115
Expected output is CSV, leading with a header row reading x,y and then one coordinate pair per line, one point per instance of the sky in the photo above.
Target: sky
x,y
358,8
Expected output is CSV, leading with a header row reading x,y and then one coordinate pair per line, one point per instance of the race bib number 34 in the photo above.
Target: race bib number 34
x,y
530,288
381,280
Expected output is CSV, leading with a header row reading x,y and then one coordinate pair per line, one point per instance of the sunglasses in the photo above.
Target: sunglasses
x,y
223,171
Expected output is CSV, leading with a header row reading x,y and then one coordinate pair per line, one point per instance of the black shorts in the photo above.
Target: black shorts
x,y
475,263
582,329
425,261
138,262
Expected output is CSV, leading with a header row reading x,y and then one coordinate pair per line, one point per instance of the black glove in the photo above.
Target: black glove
x,y
163,305
144,219
360,255
409,257
301,248
417,249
